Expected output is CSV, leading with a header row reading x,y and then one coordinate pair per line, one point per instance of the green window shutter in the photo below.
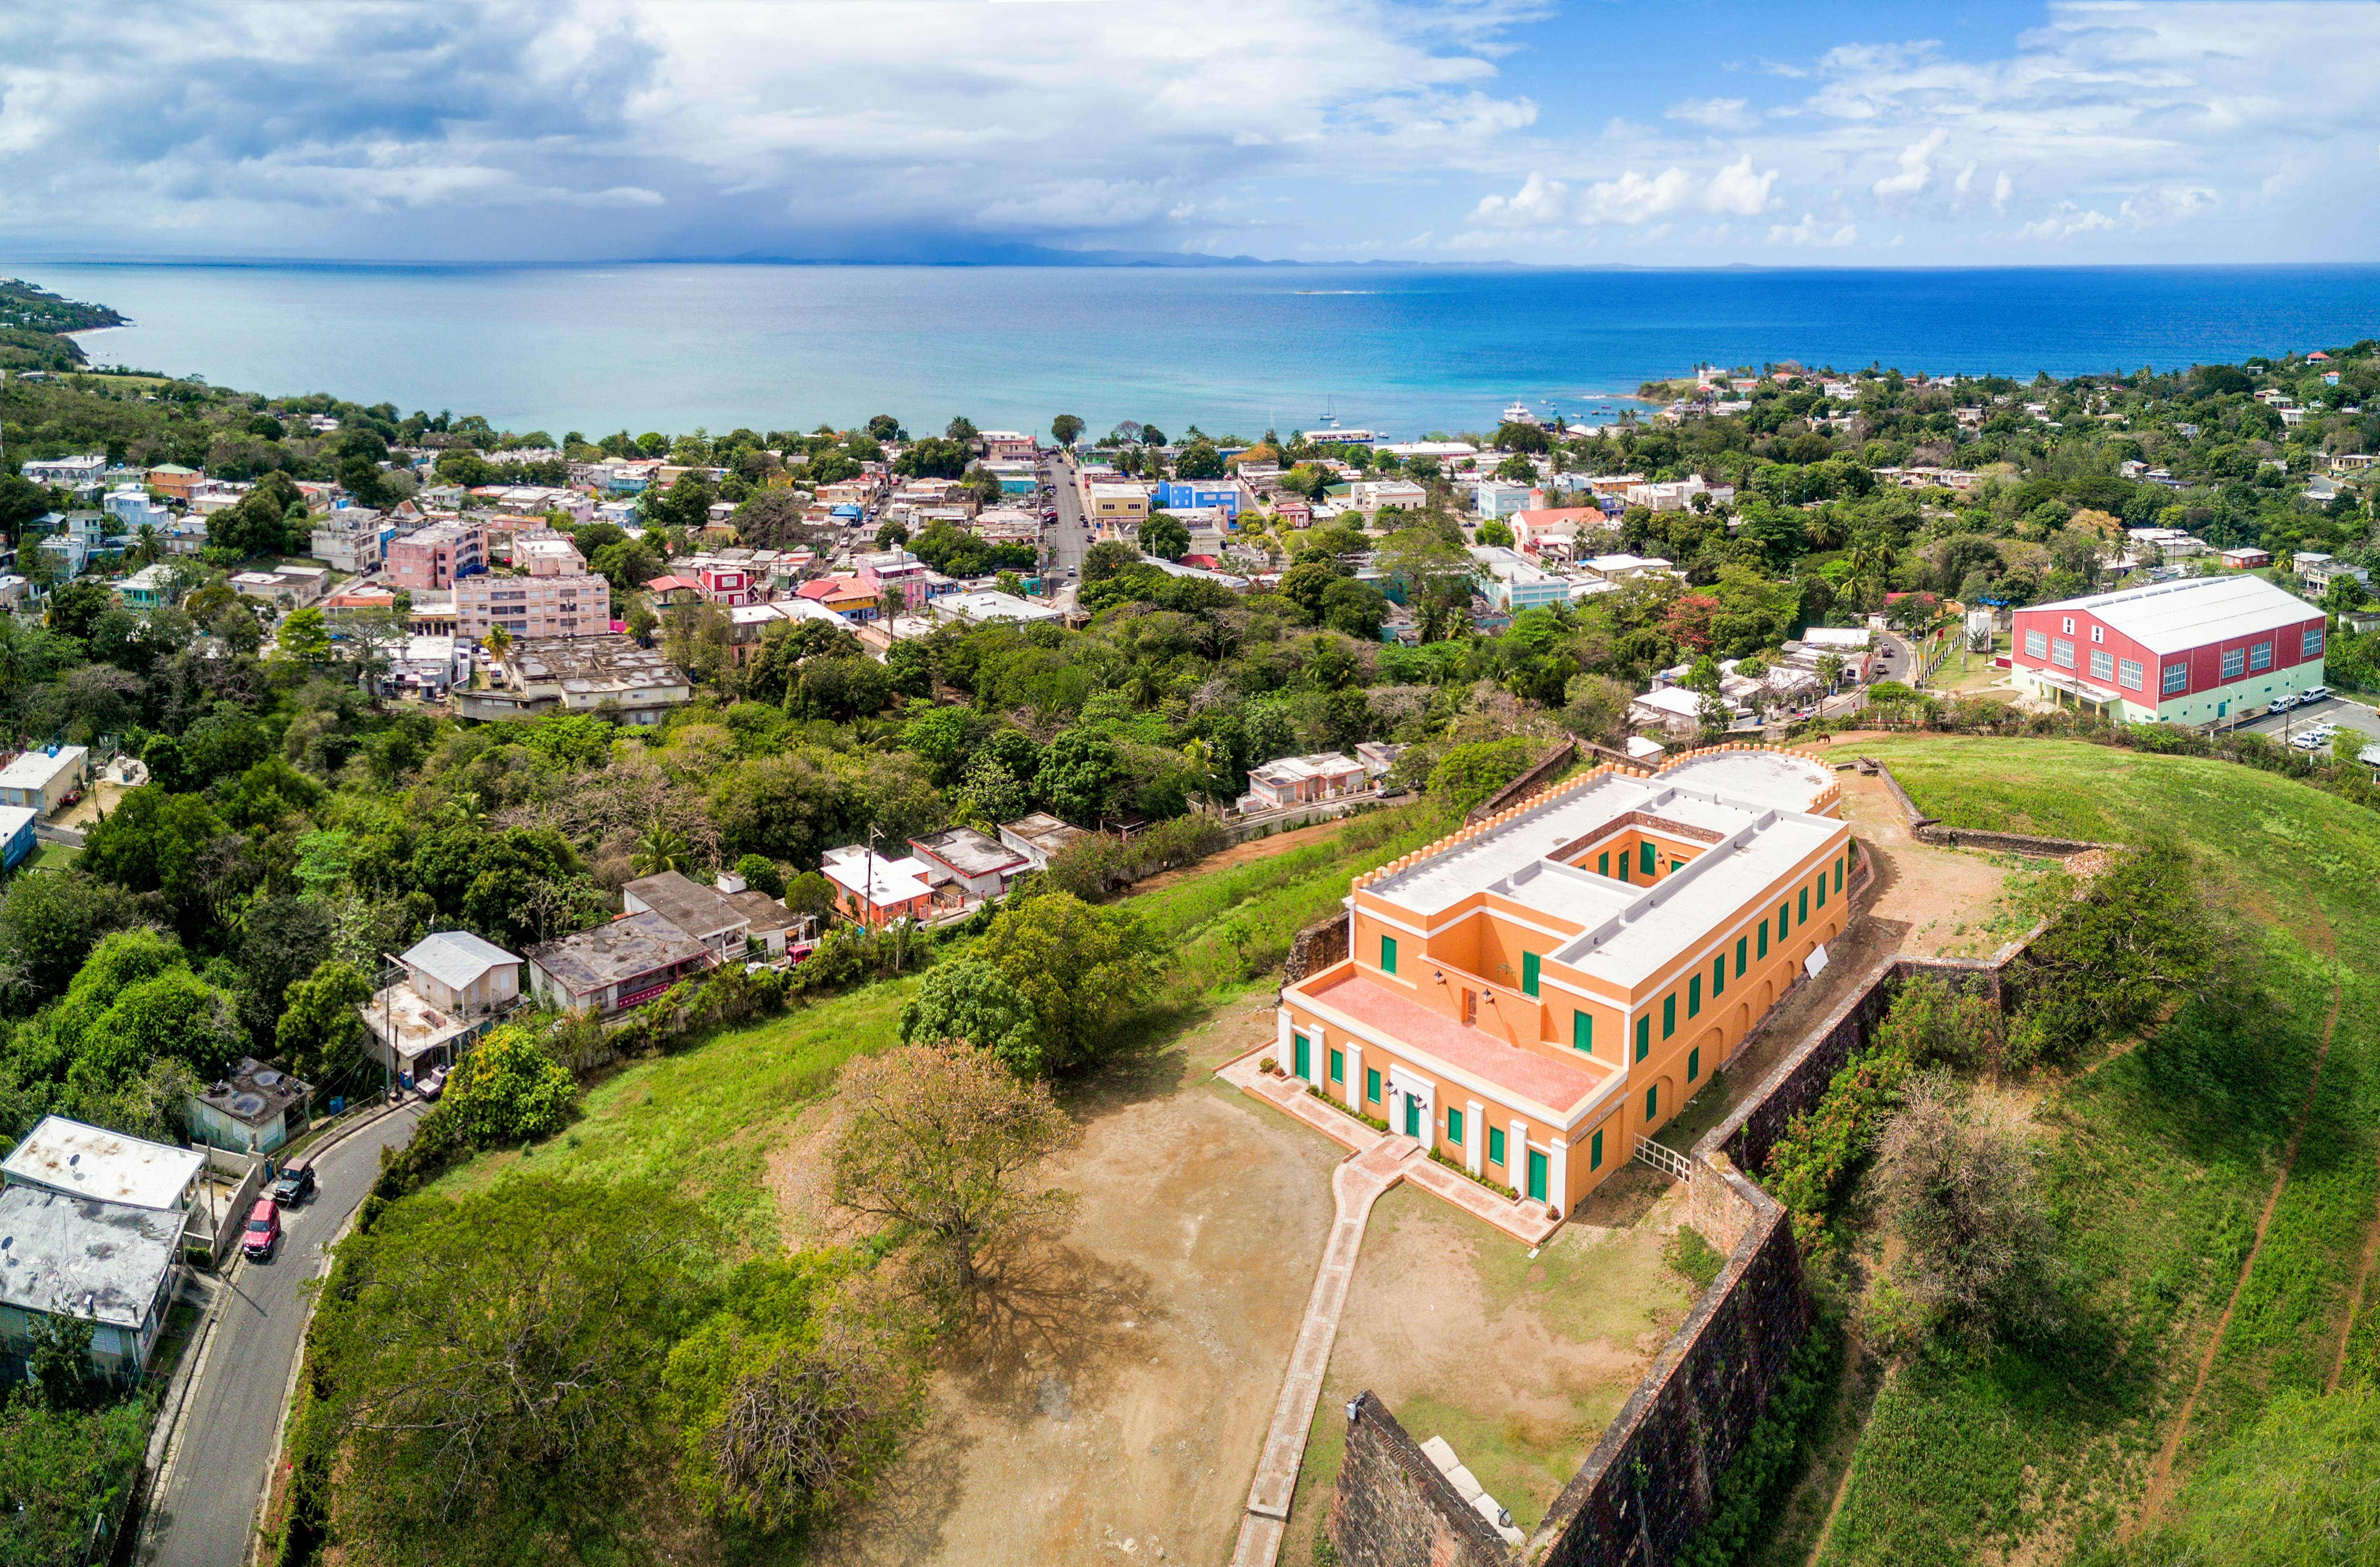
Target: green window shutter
x,y
1839,873
1719,977
1652,1103
1603,863
1739,954
1643,1036
1528,974
1801,915
1645,858
1582,1031
1623,865
1371,1085
1694,996
1822,889
1495,1144
1338,1066
1454,1127
1595,1150
1693,1064
1668,1014
1784,919
1763,938
1388,954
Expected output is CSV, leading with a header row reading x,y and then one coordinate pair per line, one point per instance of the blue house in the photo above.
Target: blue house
x,y
15,834
1190,494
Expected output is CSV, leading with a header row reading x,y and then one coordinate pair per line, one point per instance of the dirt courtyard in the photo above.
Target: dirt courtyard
x,y
1518,1362
1113,1407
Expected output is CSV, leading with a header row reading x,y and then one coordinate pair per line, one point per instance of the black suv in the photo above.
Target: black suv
x,y
295,1185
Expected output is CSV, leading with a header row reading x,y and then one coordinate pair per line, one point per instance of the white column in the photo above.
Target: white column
x,y
1355,1075
1280,1043
1557,1178
1475,1134
1516,1158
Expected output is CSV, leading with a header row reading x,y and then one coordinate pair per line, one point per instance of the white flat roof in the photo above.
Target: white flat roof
x,y
36,769
1632,929
2169,617
89,1162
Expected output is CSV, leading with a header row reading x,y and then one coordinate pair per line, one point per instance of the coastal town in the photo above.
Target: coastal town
x,y
393,795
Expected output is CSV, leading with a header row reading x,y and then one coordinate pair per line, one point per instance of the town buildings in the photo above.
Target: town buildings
x,y
532,605
1534,993
2196,651
436,556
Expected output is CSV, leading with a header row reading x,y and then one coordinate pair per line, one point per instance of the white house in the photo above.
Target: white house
x,y
41,780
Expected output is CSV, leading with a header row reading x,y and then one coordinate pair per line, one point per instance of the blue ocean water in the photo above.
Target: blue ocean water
x,y
1406,350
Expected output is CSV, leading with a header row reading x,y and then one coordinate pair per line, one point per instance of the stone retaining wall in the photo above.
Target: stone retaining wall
x,y
1314,949
1393,1506
1929,829
1528,783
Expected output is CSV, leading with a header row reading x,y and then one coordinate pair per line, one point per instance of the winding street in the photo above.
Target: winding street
x,y
204,1509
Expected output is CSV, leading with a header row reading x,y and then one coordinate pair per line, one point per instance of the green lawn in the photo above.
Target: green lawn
x,y
2157,1167
706,1118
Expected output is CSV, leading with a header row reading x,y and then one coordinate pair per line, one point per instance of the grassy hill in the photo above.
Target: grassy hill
x,y
2216,1209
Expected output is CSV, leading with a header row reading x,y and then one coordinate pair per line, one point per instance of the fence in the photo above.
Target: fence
x,y
1665,1159
249,1170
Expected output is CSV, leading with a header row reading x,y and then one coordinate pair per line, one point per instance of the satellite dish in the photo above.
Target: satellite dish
x,y
264,1079
248,1104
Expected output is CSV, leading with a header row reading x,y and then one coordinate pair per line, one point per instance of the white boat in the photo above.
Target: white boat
x,y
1519,414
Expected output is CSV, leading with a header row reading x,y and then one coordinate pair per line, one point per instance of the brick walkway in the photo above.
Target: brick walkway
x,y
1379,1161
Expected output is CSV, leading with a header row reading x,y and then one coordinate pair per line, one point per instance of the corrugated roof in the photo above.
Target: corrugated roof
x,y
2170,617
71,1256
456,957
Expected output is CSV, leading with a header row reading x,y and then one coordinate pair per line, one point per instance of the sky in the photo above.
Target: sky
x,y
1566,132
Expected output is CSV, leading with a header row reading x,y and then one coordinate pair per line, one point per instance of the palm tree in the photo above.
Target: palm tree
x,y
498,640
657,849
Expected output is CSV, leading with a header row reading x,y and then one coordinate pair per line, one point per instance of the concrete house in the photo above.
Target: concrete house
x,y
455,989
616,966
981,867
39,781
254,1109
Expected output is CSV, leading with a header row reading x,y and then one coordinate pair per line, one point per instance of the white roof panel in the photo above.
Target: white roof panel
x,y
2172,617
456,958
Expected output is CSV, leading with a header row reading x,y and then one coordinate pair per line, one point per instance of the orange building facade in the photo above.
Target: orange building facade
x,y
1535,992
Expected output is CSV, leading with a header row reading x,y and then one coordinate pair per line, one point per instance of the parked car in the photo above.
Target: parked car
x,y
264,1231
2284,702
2315,694
295,1185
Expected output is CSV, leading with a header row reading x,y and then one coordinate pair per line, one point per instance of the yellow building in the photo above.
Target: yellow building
x,y
1535,992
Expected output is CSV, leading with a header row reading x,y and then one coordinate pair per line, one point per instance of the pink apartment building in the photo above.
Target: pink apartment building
x,y
573,605
431,559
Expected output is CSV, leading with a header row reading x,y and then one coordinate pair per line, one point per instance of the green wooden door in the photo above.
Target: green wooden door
x,y
1536,1176
1412,1117
1302,1055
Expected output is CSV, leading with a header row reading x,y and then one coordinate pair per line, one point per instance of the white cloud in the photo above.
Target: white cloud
x,y
2066,221
1719,114
1633,197
1811,231
2002,188
1916,166
1736,188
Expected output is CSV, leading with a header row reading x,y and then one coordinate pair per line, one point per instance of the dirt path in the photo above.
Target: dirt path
x,y
1243,852
2161,1477
2355,1304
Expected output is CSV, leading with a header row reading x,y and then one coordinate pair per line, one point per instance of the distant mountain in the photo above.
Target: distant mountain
x,y
939,251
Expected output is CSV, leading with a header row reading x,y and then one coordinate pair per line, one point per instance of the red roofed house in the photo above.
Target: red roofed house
x,y
1553,530
848,596
673,590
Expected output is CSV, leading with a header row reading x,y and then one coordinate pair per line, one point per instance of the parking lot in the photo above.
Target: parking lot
x,y
2338,711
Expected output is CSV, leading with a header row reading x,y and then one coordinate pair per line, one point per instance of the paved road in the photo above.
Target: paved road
x,y
204,1510
1066,541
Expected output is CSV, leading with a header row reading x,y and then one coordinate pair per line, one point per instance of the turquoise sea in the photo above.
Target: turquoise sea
x,y
1405,350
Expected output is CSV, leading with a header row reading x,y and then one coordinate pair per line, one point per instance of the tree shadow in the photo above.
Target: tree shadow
x,y
908,1506
1051,1325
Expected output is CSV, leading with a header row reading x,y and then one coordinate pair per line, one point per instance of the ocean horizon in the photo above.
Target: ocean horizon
x,y
1404,349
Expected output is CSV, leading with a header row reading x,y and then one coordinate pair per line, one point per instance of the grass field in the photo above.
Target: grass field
x,y
2157,1166
705,1119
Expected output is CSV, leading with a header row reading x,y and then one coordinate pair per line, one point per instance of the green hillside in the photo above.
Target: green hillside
x,y
2158,1166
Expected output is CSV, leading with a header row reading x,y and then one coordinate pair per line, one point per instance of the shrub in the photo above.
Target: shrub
x,y
509,1090
1773,1453
1693,1258
1807,1167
